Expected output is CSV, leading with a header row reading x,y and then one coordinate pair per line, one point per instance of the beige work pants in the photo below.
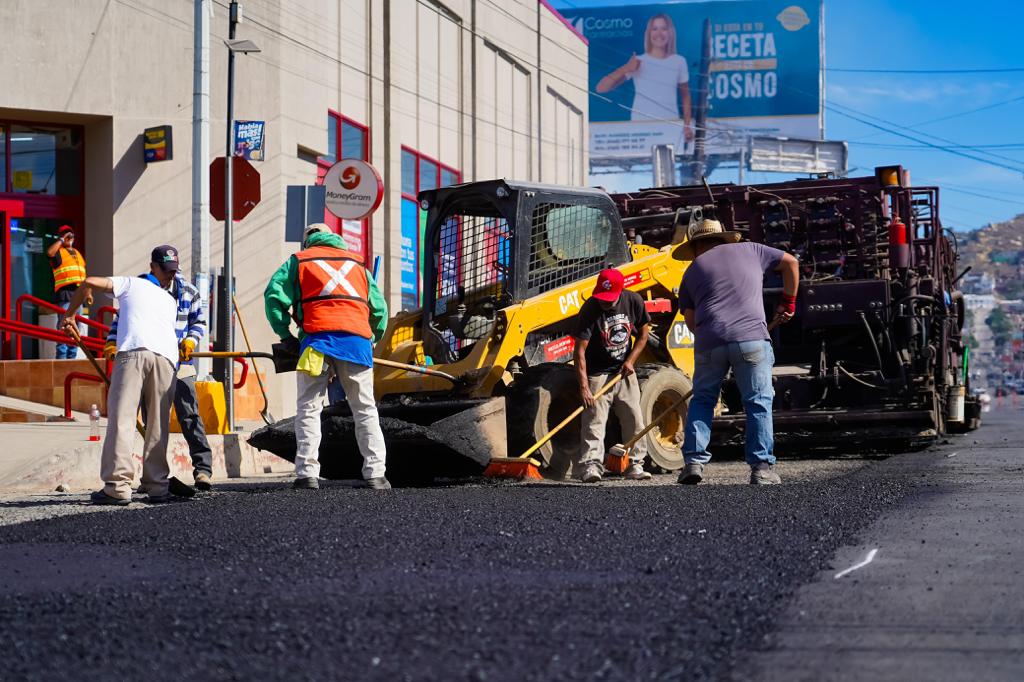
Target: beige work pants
x,y
139,376
357,381
624,398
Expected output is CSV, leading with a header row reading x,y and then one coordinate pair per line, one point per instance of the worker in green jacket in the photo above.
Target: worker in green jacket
x,y
340,313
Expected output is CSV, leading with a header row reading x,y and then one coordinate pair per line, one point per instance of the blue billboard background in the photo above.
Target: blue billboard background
x,y
766,64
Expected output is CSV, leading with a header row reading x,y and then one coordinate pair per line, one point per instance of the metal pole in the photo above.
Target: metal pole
x,y
228,322
743,162
201,169
701,119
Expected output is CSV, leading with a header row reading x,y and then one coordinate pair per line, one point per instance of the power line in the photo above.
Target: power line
x,y
955,115
1008,145
924,71
950,150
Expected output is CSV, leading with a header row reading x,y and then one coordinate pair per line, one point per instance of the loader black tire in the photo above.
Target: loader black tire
x,y
538,400
660,386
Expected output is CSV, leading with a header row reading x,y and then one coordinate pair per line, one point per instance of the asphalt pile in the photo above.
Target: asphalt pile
x,y
476,582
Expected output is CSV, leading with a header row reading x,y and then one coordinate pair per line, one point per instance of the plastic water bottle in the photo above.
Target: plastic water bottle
x,y
94,423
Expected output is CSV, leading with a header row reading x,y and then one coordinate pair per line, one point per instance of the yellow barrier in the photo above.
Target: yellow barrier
x,y
212,408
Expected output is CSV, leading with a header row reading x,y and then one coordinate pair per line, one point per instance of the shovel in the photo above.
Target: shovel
x,y
286,361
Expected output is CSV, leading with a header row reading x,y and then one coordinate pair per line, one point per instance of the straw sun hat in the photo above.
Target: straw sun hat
x,y
701,230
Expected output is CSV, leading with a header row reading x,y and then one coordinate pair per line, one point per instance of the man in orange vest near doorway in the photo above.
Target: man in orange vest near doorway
x,y
68,266
340,313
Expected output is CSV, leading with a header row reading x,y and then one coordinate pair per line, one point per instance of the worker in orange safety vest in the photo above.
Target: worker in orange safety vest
x,y
68,266
340,313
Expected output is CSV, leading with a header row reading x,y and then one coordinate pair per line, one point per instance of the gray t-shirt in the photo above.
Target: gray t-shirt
x,y
724,288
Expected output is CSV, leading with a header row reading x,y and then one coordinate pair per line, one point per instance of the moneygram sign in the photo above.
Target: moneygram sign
x,y
764,78
353,189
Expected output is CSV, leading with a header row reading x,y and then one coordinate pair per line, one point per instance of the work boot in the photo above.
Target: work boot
x,y
692,474
635,472
202,480
378,483
764,474
592,472
307,483
101,497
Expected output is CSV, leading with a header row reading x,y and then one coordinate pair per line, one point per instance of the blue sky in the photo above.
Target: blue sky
x,y
915,34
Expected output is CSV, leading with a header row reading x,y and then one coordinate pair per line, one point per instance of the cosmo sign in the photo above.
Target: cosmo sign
x,y
764,78
353,189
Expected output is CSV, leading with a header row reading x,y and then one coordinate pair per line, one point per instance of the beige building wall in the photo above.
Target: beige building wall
x,y
492,88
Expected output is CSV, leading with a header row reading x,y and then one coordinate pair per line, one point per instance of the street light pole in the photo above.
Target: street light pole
x,y
200,169
228,322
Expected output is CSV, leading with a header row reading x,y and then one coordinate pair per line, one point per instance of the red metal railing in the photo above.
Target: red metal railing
x,y
16,329
245,372
67,388
101,328
106,310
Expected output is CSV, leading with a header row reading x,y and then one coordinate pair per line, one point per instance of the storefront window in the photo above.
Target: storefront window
x,y
419,173
353,141
45,160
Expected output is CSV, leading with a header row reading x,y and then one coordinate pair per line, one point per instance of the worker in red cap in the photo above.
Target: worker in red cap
x,y
611,331
68,265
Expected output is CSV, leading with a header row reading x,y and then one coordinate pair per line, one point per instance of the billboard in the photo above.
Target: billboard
x,y
765,74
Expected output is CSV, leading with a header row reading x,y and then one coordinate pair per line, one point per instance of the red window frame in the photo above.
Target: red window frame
x,y
322,165
419,156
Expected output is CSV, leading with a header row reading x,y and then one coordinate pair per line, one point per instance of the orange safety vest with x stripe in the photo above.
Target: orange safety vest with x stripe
x,y
335,291
70,269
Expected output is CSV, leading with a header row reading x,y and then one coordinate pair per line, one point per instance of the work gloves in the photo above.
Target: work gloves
x,y
185,349
109,351
787,305
785,310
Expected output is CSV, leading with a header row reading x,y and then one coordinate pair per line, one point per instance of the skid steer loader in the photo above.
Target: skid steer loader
x,y
507,266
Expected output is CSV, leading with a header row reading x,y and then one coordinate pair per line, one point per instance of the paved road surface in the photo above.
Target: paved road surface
x,y
512,582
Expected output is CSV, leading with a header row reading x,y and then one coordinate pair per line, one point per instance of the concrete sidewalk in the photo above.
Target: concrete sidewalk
x,y
38,457
936,589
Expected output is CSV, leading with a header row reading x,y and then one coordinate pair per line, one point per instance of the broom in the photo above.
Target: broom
x,y
525,466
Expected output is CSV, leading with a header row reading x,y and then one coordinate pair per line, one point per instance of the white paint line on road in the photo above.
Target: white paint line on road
x,y
867,560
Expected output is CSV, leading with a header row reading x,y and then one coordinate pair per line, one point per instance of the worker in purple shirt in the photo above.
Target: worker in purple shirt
x,y
721,299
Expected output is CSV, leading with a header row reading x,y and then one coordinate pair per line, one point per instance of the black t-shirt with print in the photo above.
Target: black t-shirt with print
x,y
610,332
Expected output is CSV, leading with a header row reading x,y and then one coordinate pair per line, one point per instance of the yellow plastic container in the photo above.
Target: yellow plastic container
x,y
212,408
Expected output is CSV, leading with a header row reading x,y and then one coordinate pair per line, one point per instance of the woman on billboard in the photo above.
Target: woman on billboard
x,y
660,77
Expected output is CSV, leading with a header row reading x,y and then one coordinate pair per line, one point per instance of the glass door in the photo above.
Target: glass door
x,y
31,274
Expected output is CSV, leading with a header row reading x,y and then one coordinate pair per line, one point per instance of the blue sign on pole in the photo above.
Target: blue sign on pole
x,y
765,73
249,139
409,263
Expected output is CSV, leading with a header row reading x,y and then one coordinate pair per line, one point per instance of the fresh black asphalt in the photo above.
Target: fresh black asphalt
x,y
474,582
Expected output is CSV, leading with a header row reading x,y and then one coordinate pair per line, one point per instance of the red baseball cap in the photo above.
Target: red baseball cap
x,y
65,228
609,285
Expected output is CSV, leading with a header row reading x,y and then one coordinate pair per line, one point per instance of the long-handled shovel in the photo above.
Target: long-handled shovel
x,y
265,412
285,362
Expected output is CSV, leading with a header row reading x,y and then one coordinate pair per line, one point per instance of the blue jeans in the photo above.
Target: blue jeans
x,y
751,363
65,351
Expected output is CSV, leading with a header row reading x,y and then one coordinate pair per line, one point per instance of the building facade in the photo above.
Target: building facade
x,y
430,93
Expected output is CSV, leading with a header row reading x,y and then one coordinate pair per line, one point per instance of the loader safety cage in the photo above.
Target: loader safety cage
x,y
476,264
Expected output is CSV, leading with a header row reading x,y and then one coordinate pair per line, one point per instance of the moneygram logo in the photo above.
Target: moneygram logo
x,y
349,178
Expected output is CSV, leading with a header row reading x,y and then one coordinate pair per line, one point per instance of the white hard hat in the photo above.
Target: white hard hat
x,y
314,228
